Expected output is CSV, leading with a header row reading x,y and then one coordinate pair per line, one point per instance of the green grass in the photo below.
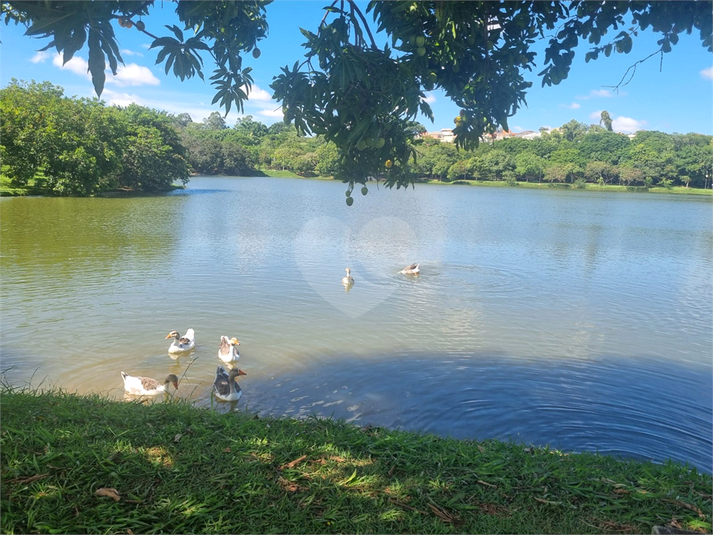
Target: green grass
x,y
8,190
276,173
588,187
181,469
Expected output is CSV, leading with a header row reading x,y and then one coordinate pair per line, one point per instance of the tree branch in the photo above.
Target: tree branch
x,y
633,69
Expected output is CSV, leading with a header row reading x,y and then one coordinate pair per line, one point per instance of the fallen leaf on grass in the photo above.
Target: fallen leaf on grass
x,y
294,463
111,493
177,438
492,509
25,480
621,491
485,483
226,450
401,504
686,506
289,486
442,514
547,501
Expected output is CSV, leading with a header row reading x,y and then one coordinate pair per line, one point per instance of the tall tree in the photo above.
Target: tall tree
x,y
606,121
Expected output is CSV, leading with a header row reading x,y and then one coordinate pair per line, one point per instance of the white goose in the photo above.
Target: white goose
x,y
226,385
228,351
348,280
181,344
413,269
146,386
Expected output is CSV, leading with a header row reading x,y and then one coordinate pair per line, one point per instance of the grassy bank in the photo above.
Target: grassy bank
x,y
75,464
276,173
587,187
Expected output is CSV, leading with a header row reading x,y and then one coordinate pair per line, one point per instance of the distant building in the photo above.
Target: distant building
x,y
528,134
445,135
498,135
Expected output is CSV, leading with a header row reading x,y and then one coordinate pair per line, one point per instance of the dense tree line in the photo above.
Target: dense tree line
x,y
81,147
577,154
71,146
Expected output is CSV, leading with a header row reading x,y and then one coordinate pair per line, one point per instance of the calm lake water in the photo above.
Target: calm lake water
x,y
576,319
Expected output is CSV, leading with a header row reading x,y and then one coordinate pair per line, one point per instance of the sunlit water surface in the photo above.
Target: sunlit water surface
x,y
576,319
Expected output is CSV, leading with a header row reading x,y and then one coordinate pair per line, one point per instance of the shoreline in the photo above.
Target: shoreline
x,y
7,191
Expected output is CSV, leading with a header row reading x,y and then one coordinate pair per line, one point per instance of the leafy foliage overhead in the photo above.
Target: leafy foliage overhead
x,y
360,93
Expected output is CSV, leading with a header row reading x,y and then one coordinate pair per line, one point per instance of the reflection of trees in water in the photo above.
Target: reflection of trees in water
x,y
59,239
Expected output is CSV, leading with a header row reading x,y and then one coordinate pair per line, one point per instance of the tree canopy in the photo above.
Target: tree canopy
x,y
56,145
359,94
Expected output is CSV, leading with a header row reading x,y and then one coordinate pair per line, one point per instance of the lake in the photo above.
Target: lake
x,y
578,319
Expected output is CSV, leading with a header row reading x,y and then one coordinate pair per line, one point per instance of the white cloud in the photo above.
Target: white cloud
x,y
517,129
430,98
627,125
132,74
600,93
596,115
707,73
127,52
126,75
77,65
40,57
276,113
113,98
573,106
259,94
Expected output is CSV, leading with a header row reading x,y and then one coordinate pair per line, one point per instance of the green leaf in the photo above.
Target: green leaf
x,y
96,62
176,31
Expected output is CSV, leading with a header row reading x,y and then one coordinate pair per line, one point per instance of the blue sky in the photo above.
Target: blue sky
x,y
673,96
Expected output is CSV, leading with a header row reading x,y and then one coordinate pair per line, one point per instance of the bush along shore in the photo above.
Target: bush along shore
x,y
87,464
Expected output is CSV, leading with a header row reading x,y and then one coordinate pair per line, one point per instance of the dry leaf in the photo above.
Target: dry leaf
x,y
292,464
440,513
25,480
177,438
485,483
226,450
111,493
686,506
401,504
621,491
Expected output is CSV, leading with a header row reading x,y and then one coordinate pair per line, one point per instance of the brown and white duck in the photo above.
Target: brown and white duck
x,y
146,386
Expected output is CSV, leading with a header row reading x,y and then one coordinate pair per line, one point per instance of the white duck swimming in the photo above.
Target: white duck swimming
x,y
181,344
228,351
348,280
146,386
226,385
413,269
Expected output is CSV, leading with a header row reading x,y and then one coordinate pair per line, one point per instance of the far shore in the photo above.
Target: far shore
x,y
6,190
